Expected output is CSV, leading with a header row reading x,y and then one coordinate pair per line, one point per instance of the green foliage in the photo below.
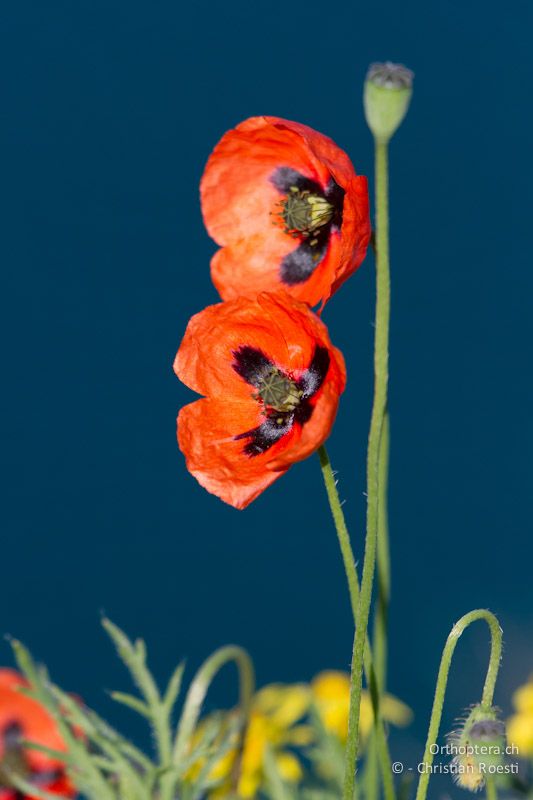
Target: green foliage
x,y
104,765
188,752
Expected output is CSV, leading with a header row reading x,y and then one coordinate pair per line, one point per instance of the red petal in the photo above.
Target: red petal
x,y
206,436
36,724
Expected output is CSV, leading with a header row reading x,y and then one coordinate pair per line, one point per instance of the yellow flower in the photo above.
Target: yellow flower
x,y
520,733
278,724
282,705
520,725
523,698
331,694
221,767
273,725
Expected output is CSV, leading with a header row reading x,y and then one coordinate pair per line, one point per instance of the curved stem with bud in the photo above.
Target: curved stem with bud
x,y
442,681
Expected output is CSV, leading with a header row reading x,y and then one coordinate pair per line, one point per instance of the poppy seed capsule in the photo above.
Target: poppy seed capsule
x,y
387,94
478,747
304,212
278,392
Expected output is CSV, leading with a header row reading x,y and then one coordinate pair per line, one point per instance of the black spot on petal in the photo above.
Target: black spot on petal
x,y
334,194
45,778
12,735
267,434
252,365
299,265
284,178
315,374
303,413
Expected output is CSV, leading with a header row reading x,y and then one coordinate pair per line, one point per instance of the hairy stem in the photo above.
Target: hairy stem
x,y
382,749
343,536
382,609
381,374
383,564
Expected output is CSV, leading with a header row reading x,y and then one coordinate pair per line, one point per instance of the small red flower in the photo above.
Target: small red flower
x,y
269,170
22,718
271,381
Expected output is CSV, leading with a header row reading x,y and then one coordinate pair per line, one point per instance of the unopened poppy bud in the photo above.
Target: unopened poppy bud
x,y
478,747
387,93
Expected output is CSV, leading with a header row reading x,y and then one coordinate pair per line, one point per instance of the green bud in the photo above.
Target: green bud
x,y
387,94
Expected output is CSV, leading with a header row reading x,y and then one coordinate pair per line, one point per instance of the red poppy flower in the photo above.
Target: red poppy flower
x,y
269,170
21,717
271,381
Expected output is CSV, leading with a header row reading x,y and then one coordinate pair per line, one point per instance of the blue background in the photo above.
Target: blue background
x,y
109,111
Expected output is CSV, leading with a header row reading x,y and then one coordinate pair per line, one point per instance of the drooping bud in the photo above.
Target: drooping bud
x,y
478,747
387,94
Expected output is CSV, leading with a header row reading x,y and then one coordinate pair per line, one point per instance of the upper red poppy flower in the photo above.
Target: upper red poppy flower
x,y
271,380
22,718
269,170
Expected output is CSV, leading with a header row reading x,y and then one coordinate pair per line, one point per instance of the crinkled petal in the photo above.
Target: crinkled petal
x,y
206,436
254,265
206,355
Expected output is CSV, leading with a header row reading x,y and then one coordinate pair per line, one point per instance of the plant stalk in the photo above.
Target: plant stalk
x,y
382,609
381,745
381,374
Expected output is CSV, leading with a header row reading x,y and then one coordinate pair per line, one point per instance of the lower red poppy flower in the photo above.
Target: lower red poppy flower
x,y
22,718
271,381
288,209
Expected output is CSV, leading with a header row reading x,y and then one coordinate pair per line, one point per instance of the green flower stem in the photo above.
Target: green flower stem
x,y
442,680
381,373
382,609
383,564
200,685
382,749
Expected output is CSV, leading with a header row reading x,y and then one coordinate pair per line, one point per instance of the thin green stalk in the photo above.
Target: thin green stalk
x,y
381,358
442,680
343,536
382,609
382,749
383,564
